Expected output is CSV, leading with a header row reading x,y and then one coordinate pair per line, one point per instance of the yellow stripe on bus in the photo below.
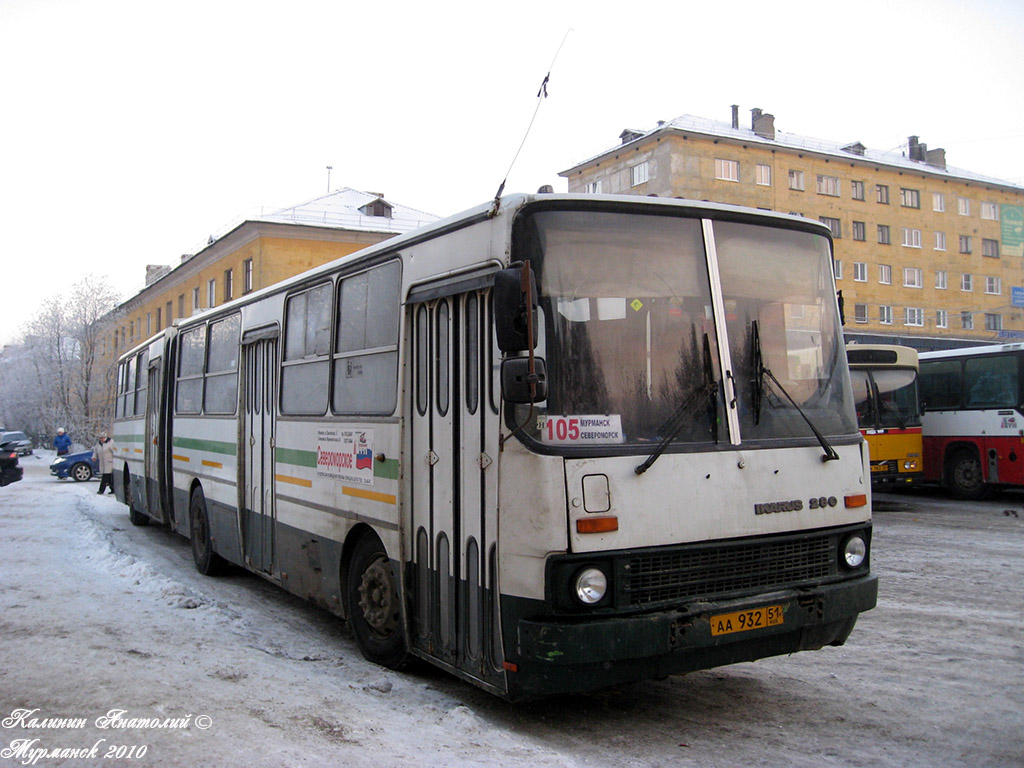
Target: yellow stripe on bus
x,y
214,464
138,450
294,480
176,457
387,498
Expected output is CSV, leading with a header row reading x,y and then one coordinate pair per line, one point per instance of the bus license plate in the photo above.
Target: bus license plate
x,y
742,621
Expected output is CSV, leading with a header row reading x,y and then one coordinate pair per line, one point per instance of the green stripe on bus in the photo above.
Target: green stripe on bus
x,y
129,438
386,470
210,446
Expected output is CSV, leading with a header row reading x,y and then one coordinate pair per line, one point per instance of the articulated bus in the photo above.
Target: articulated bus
x,y
888,409
974,418
553,444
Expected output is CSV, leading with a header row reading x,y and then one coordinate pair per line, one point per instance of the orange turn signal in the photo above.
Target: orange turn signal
x,y
856,500
597,524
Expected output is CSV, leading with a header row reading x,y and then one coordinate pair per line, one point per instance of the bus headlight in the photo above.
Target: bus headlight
x,y
855,550
590,586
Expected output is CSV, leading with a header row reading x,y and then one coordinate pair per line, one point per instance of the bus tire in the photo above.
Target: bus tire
x,y
208,562
135,517
964,478
373,603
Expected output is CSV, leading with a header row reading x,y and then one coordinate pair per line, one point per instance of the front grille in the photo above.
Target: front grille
x,y
709,572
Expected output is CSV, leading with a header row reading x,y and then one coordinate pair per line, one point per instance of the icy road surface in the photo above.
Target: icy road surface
x,y
111,625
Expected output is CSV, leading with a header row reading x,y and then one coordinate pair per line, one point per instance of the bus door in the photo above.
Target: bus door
x,y
453,428
153,473
257,508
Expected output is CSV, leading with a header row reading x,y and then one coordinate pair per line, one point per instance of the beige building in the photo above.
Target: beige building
x,y
924,253
258,252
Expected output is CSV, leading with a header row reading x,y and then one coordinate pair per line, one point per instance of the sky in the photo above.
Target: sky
x,y
132,131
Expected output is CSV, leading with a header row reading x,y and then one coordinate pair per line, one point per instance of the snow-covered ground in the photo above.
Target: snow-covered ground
x,y
99,618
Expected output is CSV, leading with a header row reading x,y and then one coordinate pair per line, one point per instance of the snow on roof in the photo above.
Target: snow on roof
x,y
846,150
348,208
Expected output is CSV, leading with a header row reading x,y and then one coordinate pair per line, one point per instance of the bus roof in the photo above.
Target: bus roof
x,y
881,355
991,349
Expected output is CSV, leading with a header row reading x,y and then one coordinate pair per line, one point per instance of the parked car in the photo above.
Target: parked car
x,y
18,441
79,465
10,472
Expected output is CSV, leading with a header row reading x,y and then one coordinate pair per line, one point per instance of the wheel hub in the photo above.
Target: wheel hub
x,y
377,598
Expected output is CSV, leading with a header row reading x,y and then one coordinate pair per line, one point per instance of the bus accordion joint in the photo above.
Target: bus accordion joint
x,y
606,524
856,500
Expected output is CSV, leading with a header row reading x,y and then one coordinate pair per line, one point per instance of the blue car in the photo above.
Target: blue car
x,y
80,466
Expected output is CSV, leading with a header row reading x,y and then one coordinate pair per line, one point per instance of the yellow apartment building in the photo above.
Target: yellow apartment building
x,y
925,254
257,252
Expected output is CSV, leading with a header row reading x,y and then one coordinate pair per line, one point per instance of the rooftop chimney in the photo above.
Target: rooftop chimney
x,y
629,135
762,123
154,272
936,157
735,115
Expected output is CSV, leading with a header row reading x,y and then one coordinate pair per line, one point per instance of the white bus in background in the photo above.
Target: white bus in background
x,y
550,445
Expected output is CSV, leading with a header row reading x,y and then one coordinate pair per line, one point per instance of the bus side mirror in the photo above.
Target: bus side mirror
x,y
516,380
514,320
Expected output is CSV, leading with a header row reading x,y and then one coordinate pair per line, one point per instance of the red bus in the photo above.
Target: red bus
x,y
973,421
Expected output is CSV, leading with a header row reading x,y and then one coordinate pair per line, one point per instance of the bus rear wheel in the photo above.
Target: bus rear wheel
x,y
374,610
208,562
964,478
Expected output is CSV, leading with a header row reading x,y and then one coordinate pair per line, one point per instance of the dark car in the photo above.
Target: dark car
x,y
17,441
10,472
78,465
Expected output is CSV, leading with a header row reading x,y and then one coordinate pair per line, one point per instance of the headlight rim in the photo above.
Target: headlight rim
x,y
577,591
845,553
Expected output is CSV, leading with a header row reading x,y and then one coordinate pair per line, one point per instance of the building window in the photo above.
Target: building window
x,y
860,272
913,277
159,319
860,313
247,276
963,206
828,185
967,321
911,238
859,231
885,274
885,315
727,170
211,294
938,202
990,211
883,234
913,316
763,175
181,305
837,269
638,174
965,243
994,285
195,300
228,284
910,198
168,314
796,180
993,321
941,280
941,318
857,190
882,194
966,283
990,248
593,187
834,224
940,241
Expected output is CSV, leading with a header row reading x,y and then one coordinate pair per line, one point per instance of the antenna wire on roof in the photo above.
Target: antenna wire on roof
x,y
542,94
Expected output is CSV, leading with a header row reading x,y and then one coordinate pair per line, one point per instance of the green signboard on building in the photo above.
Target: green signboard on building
x,y
1012,217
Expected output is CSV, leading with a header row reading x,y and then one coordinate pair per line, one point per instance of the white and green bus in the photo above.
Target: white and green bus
x,y
555,443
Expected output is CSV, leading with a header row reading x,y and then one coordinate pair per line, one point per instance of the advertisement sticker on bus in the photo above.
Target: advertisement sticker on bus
x,y
577,430
345,454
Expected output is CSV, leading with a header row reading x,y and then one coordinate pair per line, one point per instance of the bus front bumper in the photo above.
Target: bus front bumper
x,y
576,655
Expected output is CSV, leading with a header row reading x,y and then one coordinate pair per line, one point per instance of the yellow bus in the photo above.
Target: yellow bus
x,y
888,409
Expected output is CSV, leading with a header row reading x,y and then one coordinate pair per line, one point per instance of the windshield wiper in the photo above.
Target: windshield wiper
x,y
759,373
679,418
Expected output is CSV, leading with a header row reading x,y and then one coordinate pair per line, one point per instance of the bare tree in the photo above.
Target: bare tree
x,y
57,376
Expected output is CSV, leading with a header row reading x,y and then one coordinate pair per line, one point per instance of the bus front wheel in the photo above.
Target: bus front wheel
x,y
374,610
208,562
964,478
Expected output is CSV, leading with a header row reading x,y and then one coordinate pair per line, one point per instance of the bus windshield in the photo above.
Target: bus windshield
x,y
632,344
886,398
